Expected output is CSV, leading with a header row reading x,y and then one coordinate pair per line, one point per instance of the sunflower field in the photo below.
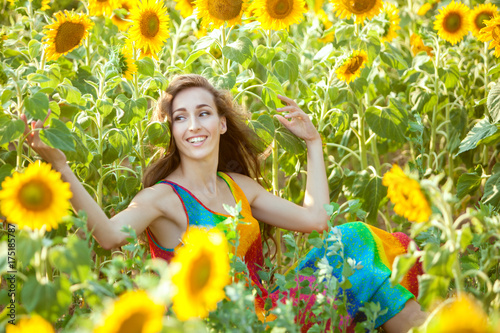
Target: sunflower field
x,y
405,95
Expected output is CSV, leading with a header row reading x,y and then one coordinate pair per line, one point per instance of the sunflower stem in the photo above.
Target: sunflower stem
x,y
176,41
225,62
141,148
136,77
432,144
87,50
362,136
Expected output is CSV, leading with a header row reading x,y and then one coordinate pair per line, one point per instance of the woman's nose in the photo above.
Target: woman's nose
x,y
194,124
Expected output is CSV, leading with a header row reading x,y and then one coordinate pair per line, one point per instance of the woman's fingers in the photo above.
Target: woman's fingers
x,y
287,100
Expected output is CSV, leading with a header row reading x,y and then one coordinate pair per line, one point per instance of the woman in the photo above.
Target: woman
x,y
210,162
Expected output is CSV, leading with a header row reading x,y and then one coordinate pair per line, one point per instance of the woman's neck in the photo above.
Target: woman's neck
x,y
198,176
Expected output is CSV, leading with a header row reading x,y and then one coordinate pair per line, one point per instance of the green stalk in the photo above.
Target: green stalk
x,y
176,42
142,156
87,51
275,169
225,61
362,136
375,155
486,70
432,144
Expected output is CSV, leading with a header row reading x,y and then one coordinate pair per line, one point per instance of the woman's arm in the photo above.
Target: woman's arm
x,y
283,213
141,212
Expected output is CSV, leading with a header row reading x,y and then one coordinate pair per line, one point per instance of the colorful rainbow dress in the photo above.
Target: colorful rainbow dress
x,y
374,248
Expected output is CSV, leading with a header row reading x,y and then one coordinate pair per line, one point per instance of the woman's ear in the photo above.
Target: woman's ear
x,y
223,125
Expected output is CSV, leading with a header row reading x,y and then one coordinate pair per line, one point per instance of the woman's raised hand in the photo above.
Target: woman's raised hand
x,y
299,123
51,155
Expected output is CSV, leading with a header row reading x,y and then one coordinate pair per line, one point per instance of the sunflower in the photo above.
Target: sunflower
x,y
417,46
202,273
30,325
391,15
219,11
45,5
424,9
126,66
102,7
326,24
407,196
35,198
480,14
186,7
134,311
121,18
463,314
279,14
66,33
149,29
352,66
361,8
453,22
491,32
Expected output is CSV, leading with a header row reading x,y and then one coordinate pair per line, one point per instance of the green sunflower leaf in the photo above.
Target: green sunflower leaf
x,y
58,136
491,188
494,103
480,131
240,51
468,183
388,122
37,105
10,129
264,54
373,194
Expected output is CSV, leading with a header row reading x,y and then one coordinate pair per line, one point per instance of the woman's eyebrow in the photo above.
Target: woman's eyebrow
x,y
197,106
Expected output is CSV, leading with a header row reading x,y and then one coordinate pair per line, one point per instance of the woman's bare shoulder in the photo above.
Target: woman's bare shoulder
x,y
249,185
159,196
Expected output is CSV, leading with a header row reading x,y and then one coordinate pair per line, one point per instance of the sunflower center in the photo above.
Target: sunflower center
x,y
134,323
102,0
361,6
279,9
479,21
354,65
69,36
200,274
495,33
225,9
150,24
452,22
35,195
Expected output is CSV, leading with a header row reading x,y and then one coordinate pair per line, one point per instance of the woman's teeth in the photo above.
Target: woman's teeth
x,y
197,139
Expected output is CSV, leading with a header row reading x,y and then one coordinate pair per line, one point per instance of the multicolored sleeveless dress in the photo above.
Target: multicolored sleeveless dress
x,y
374,248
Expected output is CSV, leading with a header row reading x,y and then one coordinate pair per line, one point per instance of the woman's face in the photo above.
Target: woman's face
x,y
196,125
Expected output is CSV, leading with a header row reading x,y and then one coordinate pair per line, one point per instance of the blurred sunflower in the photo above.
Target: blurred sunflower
x,y
417,46
219,11
36,198
121,14
481,13
66,33
463,314
279,14
102,7
186,7
352,66
326,24
29,325
391,15
407,195
362,9
203,272
149,29
134,311
424,9
491,32
453,22
45,5
127,66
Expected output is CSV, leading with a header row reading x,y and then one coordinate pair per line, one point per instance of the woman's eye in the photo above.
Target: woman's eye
x,y
178,118
204,113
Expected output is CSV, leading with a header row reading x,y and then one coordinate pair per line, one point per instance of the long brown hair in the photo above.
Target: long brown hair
x,y
239,146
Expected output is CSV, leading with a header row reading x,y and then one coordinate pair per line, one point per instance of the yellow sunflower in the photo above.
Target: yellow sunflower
x,y
202,273
326,24
417,46
149,29
407,196
127,66
66,33
424,9
219,11
491,32
186,7
29,325
134,311
453,22
279,14
45,5
102,7
35,198
122,18
391,14
362,9
463,314
481,13
352,66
